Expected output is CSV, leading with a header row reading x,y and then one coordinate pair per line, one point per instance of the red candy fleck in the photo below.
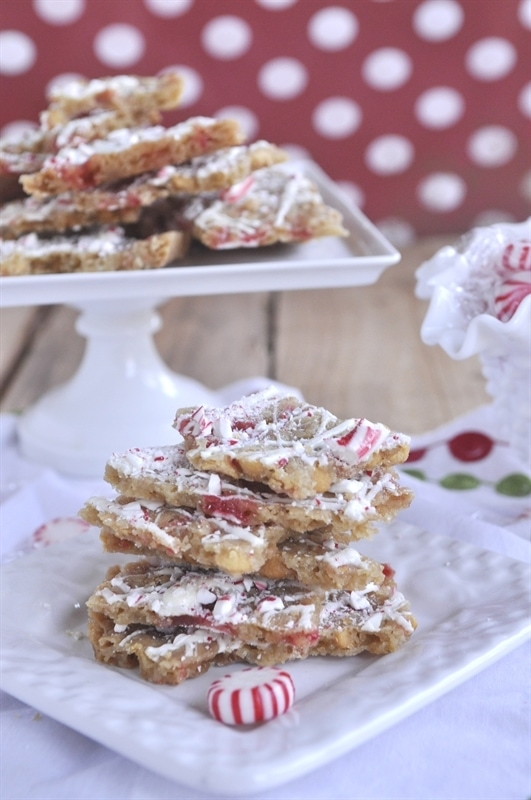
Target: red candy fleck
x,y
233,509
344,440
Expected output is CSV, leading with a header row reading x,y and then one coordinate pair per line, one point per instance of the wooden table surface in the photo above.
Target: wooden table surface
x,y
355,351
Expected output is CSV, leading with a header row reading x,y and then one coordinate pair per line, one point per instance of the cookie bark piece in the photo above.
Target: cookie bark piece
x,y
159,617
204,174
312,560
103,251
23,153
161,658
124,93
256,611
219,170
316,560
271,205
82,111
165,473
27,152
57,215
184,534
295,448
130,151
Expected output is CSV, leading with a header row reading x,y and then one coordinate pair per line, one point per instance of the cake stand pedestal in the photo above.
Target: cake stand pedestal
x,y
122,394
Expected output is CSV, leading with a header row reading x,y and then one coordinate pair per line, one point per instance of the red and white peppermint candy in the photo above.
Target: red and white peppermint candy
x,y
57,530
510,294
517,257
255,694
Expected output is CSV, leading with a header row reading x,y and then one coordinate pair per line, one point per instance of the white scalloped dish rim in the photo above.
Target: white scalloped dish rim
x,y
446,324
479,612
483,333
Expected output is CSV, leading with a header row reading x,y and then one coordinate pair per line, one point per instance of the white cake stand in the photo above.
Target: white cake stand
x,y
123,394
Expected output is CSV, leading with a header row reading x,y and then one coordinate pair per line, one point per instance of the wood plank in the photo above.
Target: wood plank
x,y
15,327
358,352
52,357
218,339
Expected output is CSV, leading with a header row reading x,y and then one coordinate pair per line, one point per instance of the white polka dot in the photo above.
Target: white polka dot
x,y
490,59
247,119
58,81
492,146
524,13
168,8
439,107
524,100
59,12
387,155
386,69
491,216
398,231
525,186
119,45
353,193
441,191
282,78
296,152
437,20
275,5
13,130
193,83
17,52
336,117
333,28
226,37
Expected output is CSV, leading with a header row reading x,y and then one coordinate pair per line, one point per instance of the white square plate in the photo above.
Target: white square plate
x,y
355,260
472,607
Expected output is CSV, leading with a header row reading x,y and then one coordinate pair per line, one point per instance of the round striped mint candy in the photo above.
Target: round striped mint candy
x,y
255,694
517,257
510,294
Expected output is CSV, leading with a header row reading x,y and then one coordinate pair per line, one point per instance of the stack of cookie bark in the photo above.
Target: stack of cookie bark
x,y
103,185
246,541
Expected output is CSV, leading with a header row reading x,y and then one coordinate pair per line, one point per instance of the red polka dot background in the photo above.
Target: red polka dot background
x,y
419,109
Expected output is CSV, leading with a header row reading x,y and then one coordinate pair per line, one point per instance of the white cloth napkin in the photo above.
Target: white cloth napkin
x,y
470,744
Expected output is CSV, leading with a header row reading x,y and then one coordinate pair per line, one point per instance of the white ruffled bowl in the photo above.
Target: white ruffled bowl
x,y
462,283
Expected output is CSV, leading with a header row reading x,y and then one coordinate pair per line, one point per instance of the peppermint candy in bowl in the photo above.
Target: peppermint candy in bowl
x,y
480,303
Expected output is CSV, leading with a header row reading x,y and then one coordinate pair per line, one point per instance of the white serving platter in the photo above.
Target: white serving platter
x,y
472,607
